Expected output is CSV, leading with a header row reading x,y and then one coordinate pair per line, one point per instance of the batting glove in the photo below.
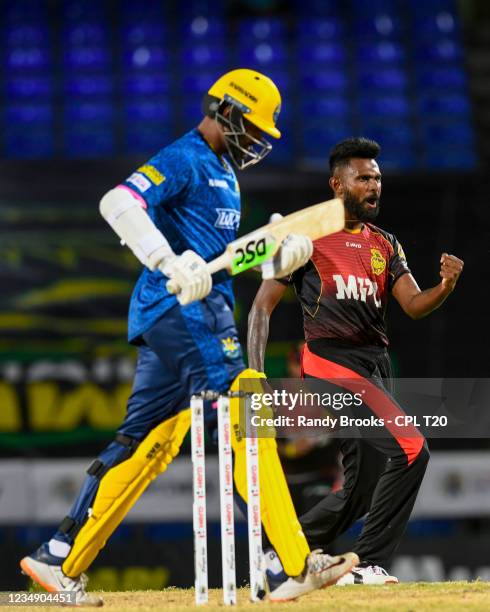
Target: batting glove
x,y
294,252
188,276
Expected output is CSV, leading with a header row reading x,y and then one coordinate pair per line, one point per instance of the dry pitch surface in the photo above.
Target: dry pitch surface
x,y
415,597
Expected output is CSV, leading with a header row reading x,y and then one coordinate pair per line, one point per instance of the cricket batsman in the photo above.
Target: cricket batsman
x,y
176,212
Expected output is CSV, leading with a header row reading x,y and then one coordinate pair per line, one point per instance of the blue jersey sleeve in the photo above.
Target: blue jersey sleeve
x,y
164,180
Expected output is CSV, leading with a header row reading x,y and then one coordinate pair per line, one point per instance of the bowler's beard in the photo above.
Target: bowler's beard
x,y
358,209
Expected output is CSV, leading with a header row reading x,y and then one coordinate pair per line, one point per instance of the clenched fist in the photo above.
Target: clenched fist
x,y
451,268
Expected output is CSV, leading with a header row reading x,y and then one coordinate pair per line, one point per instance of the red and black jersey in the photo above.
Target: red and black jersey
x,y
343,290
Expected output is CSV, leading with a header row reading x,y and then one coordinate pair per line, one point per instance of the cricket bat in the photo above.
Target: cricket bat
x,y
258,246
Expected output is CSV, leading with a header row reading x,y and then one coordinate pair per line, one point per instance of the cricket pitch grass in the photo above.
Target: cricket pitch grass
x,y
410,597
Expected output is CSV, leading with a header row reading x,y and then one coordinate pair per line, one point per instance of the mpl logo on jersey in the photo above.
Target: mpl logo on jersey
x,y
356,288
228,218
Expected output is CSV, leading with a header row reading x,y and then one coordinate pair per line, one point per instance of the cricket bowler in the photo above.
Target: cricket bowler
x,y
343,291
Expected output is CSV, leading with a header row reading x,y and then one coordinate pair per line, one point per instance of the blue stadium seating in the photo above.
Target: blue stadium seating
x,y
440,104
146,112
441,50
147,58
402,79
81,111
90,141
397,159
147,84
27,35
324,80
146,140
389,134
375,7
448,133
33,143
442,77
193,8
444,158
324,53
325,107
33,59
436,25
83,85
384,52
381,26
144,33
29,87
79,11
29,114
431,7
283,150
262,29
84,34
88,57
390,79
386,106
319,137
263,55
202,28
198,56
23,11
320,29
196,83
316,7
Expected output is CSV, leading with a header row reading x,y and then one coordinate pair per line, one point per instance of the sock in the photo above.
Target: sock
x,y
58,548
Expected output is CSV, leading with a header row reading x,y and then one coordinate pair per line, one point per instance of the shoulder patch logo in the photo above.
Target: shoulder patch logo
x,y
378,262
139,181
401,253
152,173
228,218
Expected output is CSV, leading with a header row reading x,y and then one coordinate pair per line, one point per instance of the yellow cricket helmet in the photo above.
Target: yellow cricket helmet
x,y
255,94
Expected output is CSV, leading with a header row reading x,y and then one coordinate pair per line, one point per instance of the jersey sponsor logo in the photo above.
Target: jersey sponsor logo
x,y
356,288
353,245
228,218
218,183
139,181
378,262
152,173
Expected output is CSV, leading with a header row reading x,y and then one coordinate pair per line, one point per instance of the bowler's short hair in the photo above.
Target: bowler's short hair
x,y
345,150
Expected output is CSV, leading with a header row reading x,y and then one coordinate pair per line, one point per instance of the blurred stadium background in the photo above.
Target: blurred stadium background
x,y
88,90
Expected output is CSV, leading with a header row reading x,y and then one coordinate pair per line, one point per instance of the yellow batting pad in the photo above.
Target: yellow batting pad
x,y
277,511
122,486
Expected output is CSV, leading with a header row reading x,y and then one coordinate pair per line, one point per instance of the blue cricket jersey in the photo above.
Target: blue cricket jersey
x,y
193,198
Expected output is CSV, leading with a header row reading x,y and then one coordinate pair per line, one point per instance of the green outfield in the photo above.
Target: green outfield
x,y
414,597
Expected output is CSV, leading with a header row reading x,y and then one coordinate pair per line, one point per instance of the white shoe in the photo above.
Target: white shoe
x,y
52,578
371,574
321,571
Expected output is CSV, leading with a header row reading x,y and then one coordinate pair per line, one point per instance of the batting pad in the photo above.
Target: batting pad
x,y
277,511
122,486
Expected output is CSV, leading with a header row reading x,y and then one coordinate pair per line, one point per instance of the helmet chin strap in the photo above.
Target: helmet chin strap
x,y
234,128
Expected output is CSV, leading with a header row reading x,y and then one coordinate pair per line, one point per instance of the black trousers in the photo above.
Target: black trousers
x,y
382,476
